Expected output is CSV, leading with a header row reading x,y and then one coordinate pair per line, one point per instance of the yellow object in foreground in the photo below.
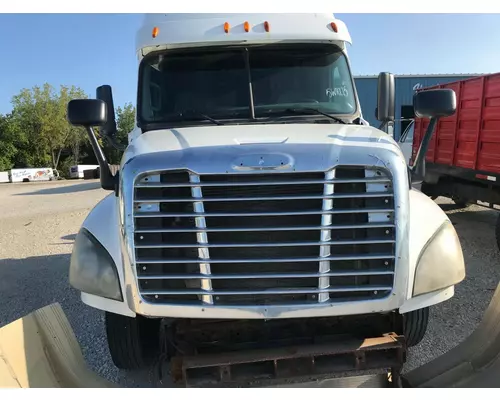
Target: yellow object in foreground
x,y
40,350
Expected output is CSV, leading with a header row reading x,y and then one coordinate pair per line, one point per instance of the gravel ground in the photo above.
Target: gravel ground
x,y
38,223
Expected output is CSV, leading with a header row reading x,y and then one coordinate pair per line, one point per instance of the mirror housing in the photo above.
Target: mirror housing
x,y
435,103
105,94
87,112
385,110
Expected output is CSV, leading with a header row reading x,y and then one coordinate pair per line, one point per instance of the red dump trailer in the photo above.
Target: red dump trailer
x,y
463,159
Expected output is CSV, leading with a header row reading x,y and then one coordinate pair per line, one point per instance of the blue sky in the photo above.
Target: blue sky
x,y
89,50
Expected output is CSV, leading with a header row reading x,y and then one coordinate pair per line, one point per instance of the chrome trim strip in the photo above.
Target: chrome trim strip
x,y
270,276
267,244
269,260
326,236
267,291
271,228
266,214
202,238
224,199
264,183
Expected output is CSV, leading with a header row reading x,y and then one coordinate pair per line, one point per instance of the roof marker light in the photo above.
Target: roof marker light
x,y
266,26
246,25
334,27
226,27
155,32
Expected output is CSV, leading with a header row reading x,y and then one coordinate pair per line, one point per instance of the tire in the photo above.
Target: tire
x,y
460,202
133,342
497,232
415,326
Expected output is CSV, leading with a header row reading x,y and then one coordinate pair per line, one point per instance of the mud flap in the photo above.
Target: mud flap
x,y
473,363
40,350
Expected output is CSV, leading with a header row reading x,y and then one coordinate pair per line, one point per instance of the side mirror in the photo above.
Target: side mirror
x,y
90,113
105,94
87,112
435,103
385,97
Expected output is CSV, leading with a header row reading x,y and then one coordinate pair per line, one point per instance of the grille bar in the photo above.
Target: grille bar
x,y
269,260
223,199
201,237
271,228
268,244
268,276
261,183
262,214
268,292
326,236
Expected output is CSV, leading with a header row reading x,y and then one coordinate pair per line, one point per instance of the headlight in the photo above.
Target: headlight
x,y
92,270
441,262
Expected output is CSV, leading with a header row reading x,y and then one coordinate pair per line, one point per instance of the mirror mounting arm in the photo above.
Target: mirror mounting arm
x,y
418,168
108,180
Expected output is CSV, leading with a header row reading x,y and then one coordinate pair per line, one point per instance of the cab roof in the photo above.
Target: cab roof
x,y
171,31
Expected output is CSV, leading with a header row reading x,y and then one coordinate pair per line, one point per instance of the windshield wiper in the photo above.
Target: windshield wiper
x,y
314,110
306,111
200,114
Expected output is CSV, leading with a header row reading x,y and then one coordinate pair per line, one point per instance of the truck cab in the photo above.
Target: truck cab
x,y
252,190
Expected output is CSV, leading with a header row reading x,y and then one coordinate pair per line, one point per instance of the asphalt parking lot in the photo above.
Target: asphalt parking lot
x,y
38,222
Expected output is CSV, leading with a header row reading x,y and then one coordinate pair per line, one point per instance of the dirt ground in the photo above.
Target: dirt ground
x,y
38,223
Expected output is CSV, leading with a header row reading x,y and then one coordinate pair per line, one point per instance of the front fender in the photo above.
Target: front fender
x,y
103,223
426,217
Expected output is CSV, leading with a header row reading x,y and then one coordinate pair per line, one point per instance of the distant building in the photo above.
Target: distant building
x,y
406,85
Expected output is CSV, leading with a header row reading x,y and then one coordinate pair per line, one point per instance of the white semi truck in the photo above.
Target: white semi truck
x,y
254,210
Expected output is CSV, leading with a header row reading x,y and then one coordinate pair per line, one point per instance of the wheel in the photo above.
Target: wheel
x,y
497,232
460,202
133,342
415,326
427,189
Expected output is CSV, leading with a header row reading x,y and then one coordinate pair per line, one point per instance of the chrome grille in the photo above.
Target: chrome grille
x,y
265,238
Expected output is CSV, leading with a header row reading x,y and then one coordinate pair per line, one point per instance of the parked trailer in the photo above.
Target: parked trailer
x,y
4,177
77,171
32,174
463,159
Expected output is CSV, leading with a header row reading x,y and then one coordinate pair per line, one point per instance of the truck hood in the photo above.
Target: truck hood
x,y
273,135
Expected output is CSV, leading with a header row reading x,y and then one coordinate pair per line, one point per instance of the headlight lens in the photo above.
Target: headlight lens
x,y
92,270
441,262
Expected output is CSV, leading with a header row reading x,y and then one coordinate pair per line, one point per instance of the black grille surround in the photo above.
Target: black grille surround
x,y
260,239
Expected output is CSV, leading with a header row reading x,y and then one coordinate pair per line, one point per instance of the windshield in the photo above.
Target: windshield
x,y
189,85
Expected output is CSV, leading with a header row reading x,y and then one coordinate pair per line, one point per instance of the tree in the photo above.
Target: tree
x,y
41,116
8,140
